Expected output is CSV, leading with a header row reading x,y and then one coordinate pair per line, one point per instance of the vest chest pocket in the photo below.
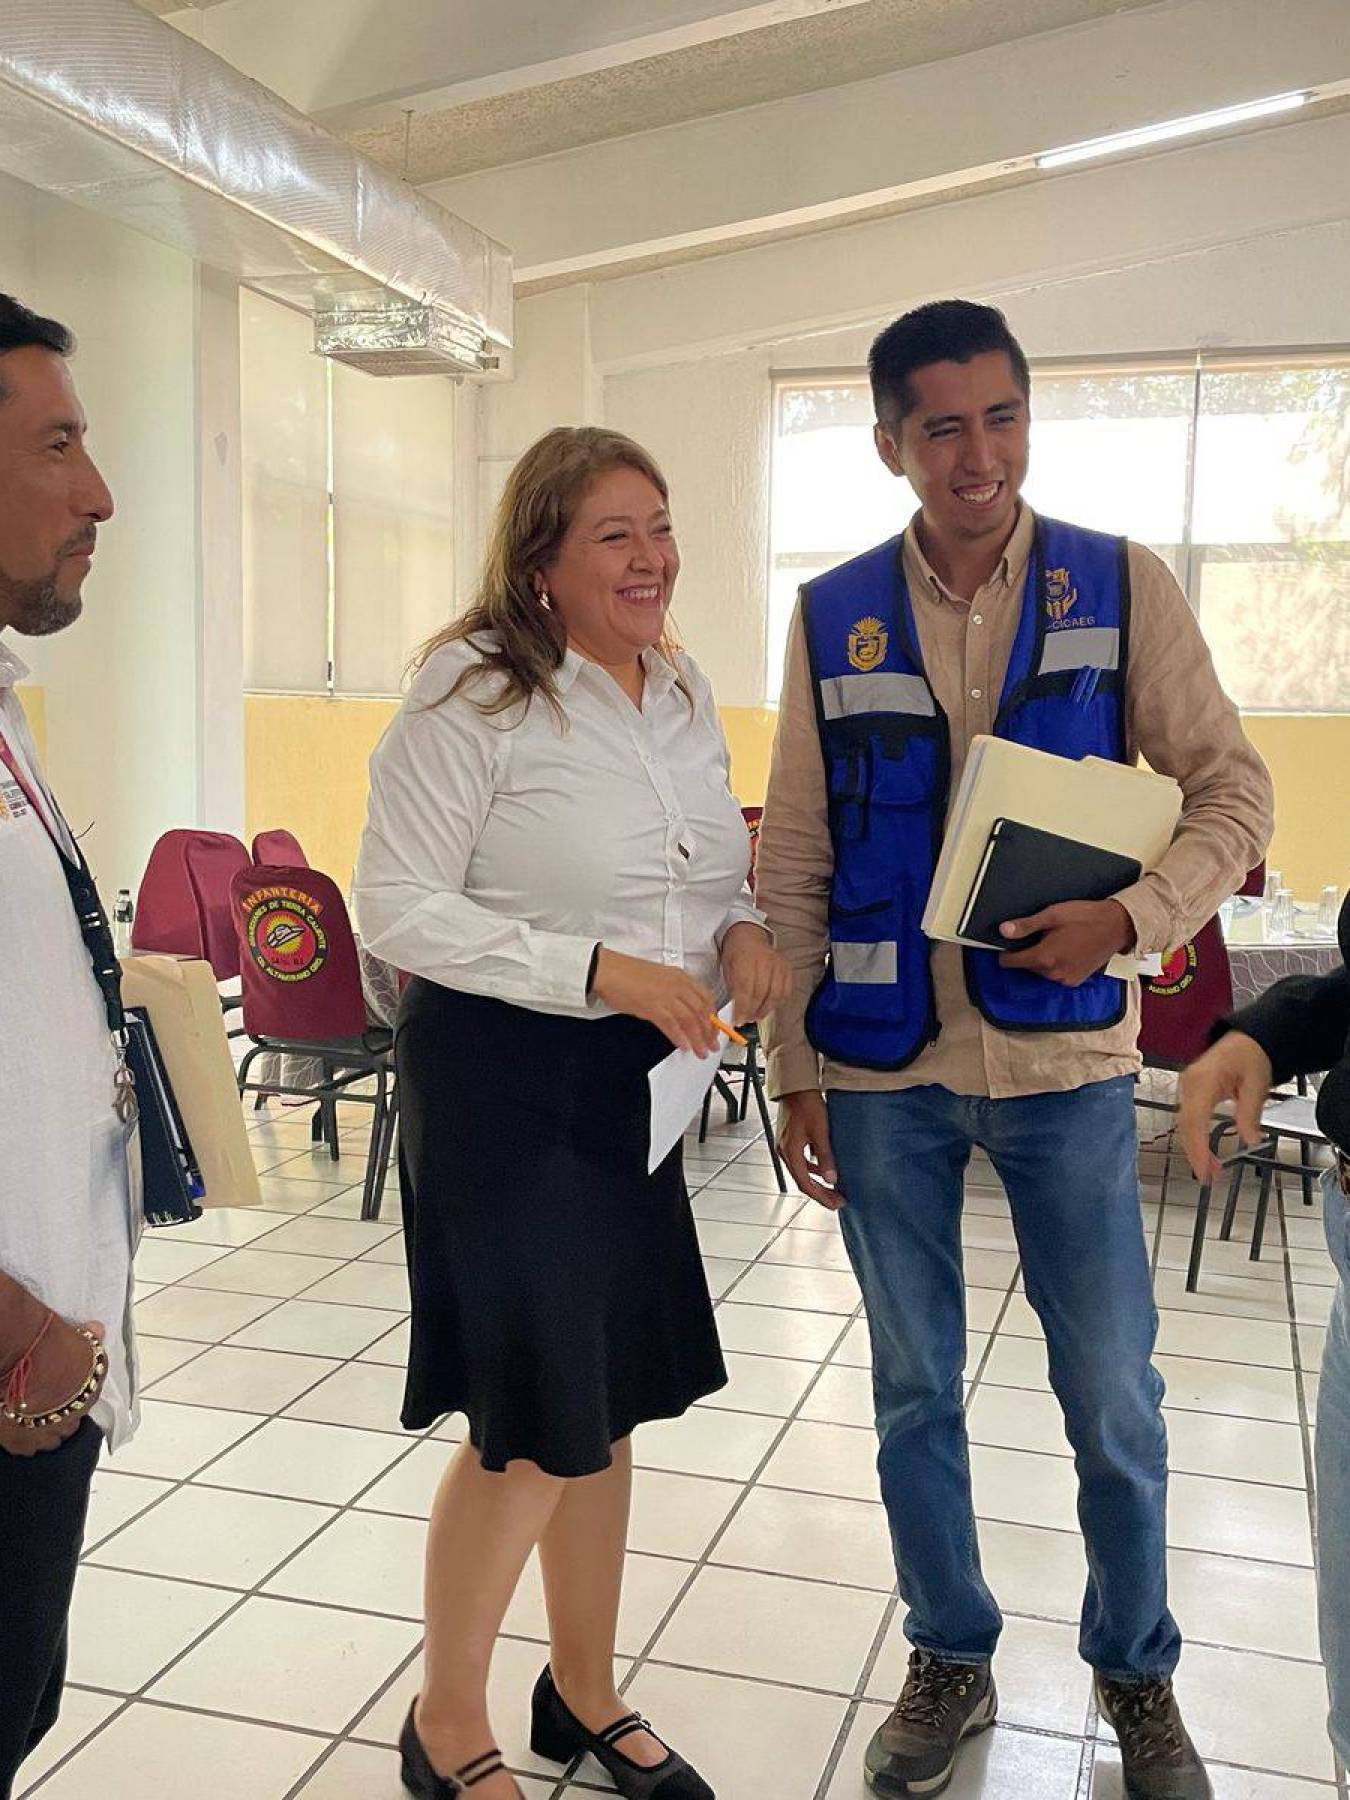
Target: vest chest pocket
x,y
905,774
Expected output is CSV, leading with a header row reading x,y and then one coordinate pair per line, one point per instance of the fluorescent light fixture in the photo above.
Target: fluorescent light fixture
x,y
1143,135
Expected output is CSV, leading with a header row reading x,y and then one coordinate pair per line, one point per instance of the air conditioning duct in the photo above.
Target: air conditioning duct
x,y
108,107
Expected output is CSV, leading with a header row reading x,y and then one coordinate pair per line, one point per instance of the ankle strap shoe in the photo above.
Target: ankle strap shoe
x,y
422,1780
557,1733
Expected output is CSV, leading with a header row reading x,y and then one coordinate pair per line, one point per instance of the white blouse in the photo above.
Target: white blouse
x,y
500,849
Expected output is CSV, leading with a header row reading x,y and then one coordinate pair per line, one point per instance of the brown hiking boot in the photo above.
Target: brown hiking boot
x,y
1158,1759
941,1703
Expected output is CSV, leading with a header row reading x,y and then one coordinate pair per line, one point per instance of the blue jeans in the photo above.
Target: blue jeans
x,y
1069,1162
1333,1476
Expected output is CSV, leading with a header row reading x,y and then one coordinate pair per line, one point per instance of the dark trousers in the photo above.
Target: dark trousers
x,y
43,1502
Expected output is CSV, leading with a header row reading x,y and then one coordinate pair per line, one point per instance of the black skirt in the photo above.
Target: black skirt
x,y
558,1296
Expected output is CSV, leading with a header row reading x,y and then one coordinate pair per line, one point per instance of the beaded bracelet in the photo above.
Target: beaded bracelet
x,y
79,1402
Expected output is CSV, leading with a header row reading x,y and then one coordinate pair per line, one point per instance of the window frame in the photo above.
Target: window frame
x,y
1193,363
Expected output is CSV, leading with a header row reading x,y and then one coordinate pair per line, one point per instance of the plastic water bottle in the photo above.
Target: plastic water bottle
x,y
123,913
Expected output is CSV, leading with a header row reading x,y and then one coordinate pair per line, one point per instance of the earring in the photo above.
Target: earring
x,y
544,600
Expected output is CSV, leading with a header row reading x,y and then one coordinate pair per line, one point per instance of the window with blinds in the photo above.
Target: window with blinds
x,y
347,529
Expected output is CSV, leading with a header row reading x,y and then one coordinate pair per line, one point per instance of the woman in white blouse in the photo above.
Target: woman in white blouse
x,y
553,854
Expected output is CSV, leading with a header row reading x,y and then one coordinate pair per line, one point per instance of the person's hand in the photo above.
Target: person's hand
x,y
60,1369
804,1145
668,998
1236,1069
1081,937
758,976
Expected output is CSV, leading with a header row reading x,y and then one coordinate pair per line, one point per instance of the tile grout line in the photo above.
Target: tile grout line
x,y
645,1658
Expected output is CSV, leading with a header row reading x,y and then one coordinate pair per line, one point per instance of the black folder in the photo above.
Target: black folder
x,y
1025,870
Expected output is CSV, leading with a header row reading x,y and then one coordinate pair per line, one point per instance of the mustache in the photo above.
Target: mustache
x,y
81,544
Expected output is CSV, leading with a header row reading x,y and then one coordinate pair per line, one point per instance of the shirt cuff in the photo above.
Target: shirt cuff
x,y
562,966
1154,930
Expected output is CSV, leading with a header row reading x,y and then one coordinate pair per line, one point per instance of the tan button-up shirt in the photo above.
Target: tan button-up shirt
x,y
1177,717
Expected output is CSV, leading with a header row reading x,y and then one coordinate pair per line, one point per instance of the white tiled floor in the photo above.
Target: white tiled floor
x,y
264,1532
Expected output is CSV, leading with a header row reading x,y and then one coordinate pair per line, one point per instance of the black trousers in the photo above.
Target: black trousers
x,y
43,1502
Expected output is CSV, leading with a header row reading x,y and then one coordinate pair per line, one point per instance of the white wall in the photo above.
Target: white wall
x,y
144,712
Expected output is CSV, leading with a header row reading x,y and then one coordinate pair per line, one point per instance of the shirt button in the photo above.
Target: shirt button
x,y
977,693
977,618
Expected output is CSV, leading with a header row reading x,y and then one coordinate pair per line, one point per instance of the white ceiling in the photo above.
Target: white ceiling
x,y
489,82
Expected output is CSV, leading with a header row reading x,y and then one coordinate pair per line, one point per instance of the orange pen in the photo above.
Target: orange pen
x,y
726,1029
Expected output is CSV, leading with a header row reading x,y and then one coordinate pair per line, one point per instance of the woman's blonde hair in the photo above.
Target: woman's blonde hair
x,y
518,639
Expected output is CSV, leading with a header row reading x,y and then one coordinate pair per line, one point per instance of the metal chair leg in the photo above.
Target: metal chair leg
x,y
1262,1203
1198,1236
762,1102
387,1153
1202,1215
751,1072
1230,1205
704,1117
370,1200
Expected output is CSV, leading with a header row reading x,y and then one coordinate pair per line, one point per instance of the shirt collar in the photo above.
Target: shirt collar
x,y
1011,565
658,672
13,669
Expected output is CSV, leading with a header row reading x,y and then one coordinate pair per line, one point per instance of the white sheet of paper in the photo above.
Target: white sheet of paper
x,y
677,1086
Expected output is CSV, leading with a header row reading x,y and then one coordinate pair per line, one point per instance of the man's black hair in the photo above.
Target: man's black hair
x,y
942,331
20,327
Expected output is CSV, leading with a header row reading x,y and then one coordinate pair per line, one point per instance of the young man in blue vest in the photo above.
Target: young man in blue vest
x,y
895,1058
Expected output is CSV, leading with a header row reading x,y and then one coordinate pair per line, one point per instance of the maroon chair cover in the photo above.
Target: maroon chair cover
x,y
1181,1005
279,849
212,860
167,915
754,817
1255,884
297,956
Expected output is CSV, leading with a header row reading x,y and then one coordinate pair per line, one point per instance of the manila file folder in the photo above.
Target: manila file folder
x,y
1113,806
183,1003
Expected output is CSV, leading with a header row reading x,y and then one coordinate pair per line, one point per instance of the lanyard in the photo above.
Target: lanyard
x,y
84,897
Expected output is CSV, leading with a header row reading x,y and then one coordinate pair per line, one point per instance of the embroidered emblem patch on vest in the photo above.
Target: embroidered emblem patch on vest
x,y
867,644
1061,596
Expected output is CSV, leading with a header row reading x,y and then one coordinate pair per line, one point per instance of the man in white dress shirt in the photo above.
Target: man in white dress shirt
x,y
66,1227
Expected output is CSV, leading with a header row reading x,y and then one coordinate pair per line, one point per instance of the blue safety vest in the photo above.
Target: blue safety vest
x,y
887,754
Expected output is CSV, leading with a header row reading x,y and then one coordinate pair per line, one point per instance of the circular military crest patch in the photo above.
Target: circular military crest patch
x,y
1177,973
284,936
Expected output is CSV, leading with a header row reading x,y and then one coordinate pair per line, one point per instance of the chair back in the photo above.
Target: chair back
x,y
1182,1004
212,860
1255,884
279,849
297,956
167,916
754,817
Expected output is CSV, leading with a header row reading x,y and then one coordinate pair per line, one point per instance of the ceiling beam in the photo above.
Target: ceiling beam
x,y
907,138
347,63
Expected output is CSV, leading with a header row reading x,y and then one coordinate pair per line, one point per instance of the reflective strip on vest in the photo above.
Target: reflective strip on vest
x,y
1096,647
865,965
849,696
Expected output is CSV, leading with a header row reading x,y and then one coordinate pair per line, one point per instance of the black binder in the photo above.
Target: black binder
x,y
1025,870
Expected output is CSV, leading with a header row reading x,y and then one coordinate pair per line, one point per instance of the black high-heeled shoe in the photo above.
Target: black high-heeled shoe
x,y
557,1733
421,1779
